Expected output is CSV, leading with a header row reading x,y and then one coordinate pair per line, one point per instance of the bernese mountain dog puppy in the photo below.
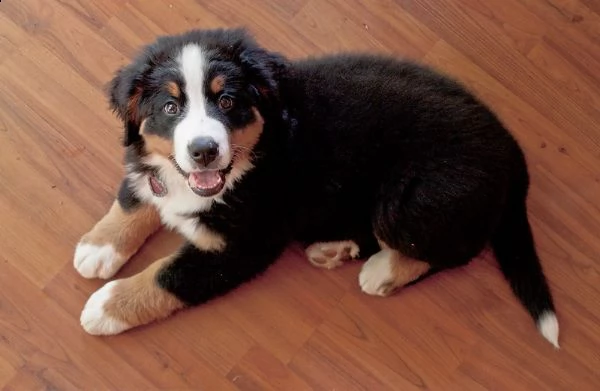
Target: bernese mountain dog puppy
x,y
243,151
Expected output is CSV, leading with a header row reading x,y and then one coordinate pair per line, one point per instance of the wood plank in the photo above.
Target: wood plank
x,y
49,346
7,371
32,98
474,37
272,28
68,36
296,327
378,27
261,307
372,349
259,370
583,90
12,37
543,141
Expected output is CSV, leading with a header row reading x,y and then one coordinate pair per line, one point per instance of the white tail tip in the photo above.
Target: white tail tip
x,y
548,326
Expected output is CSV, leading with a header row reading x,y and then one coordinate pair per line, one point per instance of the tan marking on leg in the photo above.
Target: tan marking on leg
x,y
389,270
330,255
126,231
173,89
407,270
139,300
217,84
208,240
113,240
122,304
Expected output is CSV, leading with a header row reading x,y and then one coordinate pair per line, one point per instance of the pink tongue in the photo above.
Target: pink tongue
x,y
205,179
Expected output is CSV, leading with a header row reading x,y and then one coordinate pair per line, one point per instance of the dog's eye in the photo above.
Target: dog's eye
x,y
171,108
225,102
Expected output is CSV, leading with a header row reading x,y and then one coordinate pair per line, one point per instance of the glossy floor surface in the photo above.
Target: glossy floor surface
x,y
537,63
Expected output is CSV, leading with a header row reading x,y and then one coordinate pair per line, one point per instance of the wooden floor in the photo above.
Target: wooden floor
x,y
536,62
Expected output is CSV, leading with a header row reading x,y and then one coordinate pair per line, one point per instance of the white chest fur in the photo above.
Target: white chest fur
x,y
179,200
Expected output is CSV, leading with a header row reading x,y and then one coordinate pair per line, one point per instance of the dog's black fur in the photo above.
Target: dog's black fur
x,y
354,147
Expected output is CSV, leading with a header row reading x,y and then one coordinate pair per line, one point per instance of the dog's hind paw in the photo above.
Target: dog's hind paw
x,y
330,255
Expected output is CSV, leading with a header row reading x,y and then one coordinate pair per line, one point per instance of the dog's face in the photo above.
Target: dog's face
x,y
196,99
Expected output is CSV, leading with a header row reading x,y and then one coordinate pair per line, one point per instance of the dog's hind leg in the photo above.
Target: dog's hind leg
x,y
388,270
329,255
426,222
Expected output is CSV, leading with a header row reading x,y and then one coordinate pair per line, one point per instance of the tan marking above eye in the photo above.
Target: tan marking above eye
x,y
217,84
139,299
173,89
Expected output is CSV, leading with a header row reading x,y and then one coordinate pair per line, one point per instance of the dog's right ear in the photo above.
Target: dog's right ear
x,y
125,97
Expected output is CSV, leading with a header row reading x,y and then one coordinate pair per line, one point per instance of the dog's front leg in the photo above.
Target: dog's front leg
x,y
186,278
116,237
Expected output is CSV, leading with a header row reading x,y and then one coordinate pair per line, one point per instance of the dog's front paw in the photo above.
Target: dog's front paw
x,y
96,318
114,239
97,261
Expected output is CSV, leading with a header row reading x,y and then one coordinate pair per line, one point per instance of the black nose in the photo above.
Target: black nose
x,y
204,150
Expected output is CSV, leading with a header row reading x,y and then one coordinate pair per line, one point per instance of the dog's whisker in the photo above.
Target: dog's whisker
x,y
239,150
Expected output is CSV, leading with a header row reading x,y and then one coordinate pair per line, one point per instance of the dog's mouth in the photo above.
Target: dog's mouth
x,y
206,183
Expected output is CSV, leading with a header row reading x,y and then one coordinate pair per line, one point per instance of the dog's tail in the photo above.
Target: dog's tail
x,y
514,247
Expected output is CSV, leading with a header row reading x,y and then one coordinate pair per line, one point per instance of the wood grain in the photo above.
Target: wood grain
x,y
537,63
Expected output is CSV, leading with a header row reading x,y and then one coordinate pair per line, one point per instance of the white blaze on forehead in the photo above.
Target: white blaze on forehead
x,y
196,122
193,65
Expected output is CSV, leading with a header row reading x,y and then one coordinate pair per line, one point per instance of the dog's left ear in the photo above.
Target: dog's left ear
x,y
125,93
263,68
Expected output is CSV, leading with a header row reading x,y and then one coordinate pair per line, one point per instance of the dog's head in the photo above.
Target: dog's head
x,y
197,100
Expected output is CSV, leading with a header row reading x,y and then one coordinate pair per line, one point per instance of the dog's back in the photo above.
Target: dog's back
x,y
393,153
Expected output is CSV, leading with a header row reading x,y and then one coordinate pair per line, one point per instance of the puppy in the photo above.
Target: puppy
x,y
243,151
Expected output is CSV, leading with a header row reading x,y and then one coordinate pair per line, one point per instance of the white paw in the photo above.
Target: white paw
x,y
377,274
93,261
94,318
330,255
